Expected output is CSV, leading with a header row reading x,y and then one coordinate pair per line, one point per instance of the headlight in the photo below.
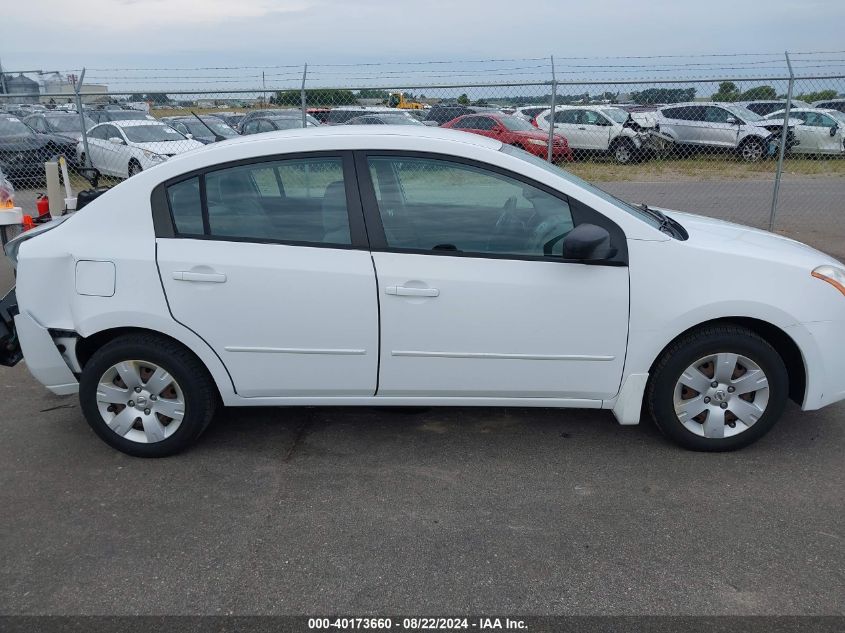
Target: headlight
x,y
833,275
153,156
534,141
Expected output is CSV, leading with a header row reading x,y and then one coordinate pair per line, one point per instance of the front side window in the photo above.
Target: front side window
x,y
589,117
436,205
295,200
486,123
716,115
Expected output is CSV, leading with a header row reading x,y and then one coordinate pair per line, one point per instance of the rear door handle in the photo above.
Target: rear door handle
x,y
405,291
209,278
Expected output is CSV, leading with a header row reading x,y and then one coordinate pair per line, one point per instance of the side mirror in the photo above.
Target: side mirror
x,y
588,243
731,121
116,141
834,130
189,136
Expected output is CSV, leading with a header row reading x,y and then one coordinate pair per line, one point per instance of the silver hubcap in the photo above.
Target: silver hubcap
x,y
622,154
751,151
140,401
721,395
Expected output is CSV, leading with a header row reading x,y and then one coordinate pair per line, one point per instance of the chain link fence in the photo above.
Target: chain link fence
x,y
764,150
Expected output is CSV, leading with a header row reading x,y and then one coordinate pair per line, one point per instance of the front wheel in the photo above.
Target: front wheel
x,y
623,152
752,150
134,169
718,389
146,396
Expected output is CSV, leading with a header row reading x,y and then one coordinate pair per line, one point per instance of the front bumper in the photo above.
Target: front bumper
x,y
824,356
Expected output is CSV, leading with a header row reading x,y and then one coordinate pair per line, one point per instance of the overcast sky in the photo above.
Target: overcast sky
x,y
99,34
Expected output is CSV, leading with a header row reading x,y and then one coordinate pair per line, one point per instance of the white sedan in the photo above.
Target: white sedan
x,y
820,131
598,129
125,148
407,266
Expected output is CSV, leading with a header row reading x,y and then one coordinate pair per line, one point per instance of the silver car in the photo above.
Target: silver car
x,y
723,126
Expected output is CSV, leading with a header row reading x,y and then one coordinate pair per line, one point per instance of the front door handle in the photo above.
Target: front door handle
x,y
189,275
405,291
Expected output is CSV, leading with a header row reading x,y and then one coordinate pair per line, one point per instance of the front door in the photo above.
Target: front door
x,y
268,266
475,298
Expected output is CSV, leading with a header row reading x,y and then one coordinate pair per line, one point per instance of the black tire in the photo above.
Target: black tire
x,y
134,168
623,151
752,150
698,344
199,391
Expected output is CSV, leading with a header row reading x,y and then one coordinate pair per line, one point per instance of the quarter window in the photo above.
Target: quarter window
x,y
442,206
185,206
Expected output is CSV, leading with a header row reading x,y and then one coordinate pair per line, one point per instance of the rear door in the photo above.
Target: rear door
x,y
567,123
596,129
268,262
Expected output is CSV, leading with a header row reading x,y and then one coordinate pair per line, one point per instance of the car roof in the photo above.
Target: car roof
x,y
363,133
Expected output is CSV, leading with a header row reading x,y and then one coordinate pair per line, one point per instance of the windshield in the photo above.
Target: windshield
x,y
288,123
151,133
616,114
128,115
11,127
68,123
743,113
836,114
515,124
217,127
399,119
557,171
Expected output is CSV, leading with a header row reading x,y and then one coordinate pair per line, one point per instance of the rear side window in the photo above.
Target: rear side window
x,y
186,206
295,200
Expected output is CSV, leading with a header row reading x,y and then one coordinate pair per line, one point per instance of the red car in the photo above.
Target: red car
x,y
513,131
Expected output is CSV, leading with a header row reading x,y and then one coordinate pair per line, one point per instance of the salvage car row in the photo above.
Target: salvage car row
x,y
123,142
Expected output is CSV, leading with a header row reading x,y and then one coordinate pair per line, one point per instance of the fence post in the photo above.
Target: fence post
x,y
302,94
552,115
77,87
782,149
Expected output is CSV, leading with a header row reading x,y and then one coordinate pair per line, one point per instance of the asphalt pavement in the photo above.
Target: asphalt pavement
x,y
438,511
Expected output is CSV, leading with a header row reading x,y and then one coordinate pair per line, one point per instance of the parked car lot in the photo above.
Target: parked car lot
x,y
444,215
23,152
126,148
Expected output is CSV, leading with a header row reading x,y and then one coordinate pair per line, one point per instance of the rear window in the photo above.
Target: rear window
x,y
342,116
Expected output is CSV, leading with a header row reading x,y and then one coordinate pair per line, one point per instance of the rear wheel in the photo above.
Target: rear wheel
x,y
146,396
718,389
